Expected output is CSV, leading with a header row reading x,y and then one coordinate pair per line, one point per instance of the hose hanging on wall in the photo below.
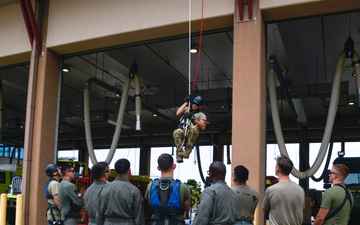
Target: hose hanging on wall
x,y
334,99
125,93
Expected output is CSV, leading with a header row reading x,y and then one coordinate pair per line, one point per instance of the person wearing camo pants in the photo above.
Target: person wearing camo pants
x,y
191,123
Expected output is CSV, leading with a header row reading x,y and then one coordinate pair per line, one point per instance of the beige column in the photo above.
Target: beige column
x,y
40,131
43,137
249,102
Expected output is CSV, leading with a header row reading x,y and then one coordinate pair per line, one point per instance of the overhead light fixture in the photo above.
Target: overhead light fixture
x,y
351,102
117,93
66,69
353,73
194,48
155,114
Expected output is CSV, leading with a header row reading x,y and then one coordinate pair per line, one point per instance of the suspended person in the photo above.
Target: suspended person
x,y
100,173
192,120
337,201
52,191
169,198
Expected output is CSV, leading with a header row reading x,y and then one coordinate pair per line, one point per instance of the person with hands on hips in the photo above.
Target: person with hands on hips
x,y
191,122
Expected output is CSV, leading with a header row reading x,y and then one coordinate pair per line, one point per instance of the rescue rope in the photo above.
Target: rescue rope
x,y
200,47
189,53
191,90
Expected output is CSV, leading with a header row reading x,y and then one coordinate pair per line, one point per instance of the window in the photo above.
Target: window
x,y
11,151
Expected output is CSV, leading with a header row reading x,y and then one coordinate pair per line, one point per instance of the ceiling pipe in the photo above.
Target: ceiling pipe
x,y
167,62
118,92
135,76
323,47
356,65
101,69
115,90
274,66
89,82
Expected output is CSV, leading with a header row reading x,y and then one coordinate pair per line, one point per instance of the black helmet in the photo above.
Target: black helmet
x,y
50,169
198,100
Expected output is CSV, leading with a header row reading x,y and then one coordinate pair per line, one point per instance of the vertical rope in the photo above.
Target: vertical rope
x,y
200,46
189,47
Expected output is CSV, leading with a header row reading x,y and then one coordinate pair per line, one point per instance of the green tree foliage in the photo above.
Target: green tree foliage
x,y
195,190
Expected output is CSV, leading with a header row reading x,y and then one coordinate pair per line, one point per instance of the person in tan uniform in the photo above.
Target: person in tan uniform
x,y
52,191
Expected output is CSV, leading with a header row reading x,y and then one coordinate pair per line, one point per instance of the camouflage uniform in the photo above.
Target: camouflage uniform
x,y
192,134
191,137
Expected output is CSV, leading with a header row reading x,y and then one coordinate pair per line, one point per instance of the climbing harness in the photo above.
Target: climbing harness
x,y
165,198
48,195
185,123
51,207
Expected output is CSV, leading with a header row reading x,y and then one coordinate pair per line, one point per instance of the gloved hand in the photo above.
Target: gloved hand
x,y
189,115
187,99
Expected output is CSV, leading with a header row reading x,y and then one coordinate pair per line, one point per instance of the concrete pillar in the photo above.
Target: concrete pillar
x,y
43,136
249,105
41,131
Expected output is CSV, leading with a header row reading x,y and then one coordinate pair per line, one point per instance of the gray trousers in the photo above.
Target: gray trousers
x,y
243,222
71,221
167,222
